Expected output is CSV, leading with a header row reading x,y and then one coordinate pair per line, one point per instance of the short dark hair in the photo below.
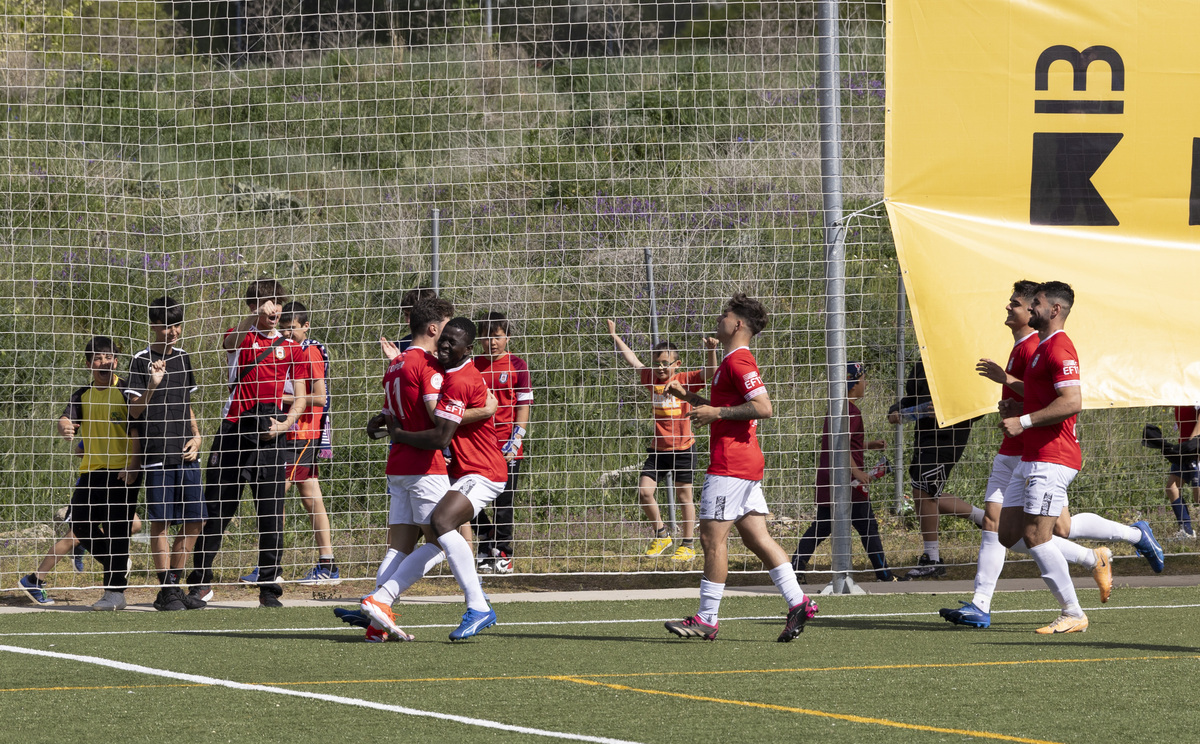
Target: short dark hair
x,y
488,324
429,310
1060,292
749,310
413,296
465,325
665,346
294,311
165,311
99,345
261,290
1025,289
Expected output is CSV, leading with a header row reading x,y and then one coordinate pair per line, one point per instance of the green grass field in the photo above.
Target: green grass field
x,y
877,667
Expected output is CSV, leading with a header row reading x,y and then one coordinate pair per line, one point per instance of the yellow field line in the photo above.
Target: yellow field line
x,y
807,712
797,670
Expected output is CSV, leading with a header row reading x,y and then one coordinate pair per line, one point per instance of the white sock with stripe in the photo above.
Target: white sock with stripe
x,y
710,600
784,577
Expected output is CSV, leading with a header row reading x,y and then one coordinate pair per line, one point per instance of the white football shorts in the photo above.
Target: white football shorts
x,y
413,497
728,499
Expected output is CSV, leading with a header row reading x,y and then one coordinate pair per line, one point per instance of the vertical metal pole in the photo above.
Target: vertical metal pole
x,y
829,115
654,340
487,20
901,325
435,267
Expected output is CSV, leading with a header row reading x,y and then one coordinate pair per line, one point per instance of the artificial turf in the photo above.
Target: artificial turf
x,y
876,663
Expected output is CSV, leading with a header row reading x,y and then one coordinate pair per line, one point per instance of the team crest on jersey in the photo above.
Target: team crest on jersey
x,y
1070,367
279,352
1036,357
436,381
503,377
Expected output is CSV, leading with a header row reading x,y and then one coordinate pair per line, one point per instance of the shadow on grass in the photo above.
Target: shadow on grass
x,y
1078,641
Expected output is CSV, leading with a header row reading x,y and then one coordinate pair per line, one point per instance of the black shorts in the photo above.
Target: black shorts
x,y
680,462
931,467
303,463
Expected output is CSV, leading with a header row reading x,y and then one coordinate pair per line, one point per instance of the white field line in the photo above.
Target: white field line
x,y
780,616
213,681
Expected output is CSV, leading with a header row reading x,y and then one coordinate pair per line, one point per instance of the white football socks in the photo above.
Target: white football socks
x,y
1057,576
1095,527
710,600
977,516
462,565
991,563
390,561
408,572
784,577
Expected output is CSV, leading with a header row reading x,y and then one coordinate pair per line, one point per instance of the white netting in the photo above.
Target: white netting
x,y
309,142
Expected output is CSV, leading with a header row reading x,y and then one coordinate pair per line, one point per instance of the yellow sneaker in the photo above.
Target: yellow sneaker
x,y
658,546
684,553
1065,624
1102,573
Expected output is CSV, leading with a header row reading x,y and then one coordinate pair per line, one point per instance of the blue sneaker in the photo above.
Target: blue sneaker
x,y
357,618
250,578
77,558
473,621
35,590
968,615
320,575
1148,547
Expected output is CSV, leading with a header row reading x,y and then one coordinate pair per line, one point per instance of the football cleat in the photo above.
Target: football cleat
x,y
1065,624
692,627
658,546
504,562
796,618
1102,573
376,635
1148,547
381,614
969,615
356,618
472,623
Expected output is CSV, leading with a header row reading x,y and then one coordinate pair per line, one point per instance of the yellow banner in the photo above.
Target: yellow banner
x,y
1049,139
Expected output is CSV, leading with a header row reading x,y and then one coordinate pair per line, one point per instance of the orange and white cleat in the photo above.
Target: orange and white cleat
x,y
382,616
1065,624
1102,573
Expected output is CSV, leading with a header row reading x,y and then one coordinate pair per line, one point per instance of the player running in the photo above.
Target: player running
x,y
732,494
479,471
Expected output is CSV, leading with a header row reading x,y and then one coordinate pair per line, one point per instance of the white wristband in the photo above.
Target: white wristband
x,y
1026,422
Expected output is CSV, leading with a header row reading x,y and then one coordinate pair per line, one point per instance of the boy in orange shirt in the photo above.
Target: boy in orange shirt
x,y
673,448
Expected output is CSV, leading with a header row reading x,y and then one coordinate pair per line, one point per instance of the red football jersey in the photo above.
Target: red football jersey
x,y
1054,365
508,379
1018,362
263,383
476,451
733,445
413,378
1185,421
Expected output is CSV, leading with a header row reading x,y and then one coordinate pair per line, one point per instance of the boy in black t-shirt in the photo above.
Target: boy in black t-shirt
x,y
161,383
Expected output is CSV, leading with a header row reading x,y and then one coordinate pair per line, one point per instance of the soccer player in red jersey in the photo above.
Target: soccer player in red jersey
x,y
1052,457
732,494
479,472
507,376
1184,470
249,450
977,612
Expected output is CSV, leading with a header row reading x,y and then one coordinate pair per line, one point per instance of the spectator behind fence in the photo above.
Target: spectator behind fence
x,y
862,516
105,496
249,446
160,387
507,377
672,450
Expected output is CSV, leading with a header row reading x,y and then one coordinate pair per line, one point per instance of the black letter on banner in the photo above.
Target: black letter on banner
x,y
1194,202
1061,190
1079,61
